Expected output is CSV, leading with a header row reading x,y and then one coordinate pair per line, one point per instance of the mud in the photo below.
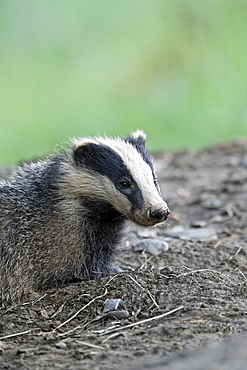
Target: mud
x,y
181,309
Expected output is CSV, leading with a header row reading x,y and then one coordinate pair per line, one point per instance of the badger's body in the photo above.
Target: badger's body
x,y
62,218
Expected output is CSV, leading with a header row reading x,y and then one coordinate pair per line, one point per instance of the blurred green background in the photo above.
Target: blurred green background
x,y
175,68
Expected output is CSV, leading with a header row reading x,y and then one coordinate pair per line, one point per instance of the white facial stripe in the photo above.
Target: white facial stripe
x,y
99,187
140,171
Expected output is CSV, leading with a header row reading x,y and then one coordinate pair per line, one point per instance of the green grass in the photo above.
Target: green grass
x,y
176,69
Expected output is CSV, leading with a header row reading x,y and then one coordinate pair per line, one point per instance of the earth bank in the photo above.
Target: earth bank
x,y
188,297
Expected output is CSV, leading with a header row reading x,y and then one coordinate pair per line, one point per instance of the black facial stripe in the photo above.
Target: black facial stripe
x,y
103,160
107,162
135,197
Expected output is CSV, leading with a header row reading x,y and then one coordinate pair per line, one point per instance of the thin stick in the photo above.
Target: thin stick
x,y
145,290
144,265
201,270
217,244
97,318
111,278
18,334
237,269
114,329
89,345
69,331
113,335
121,273
58,311
235,255
39,299
81,309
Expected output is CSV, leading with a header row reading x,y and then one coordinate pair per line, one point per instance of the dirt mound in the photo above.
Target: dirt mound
x,y
165,302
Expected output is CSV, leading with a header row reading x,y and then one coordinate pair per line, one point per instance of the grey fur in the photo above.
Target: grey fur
x,y
56,224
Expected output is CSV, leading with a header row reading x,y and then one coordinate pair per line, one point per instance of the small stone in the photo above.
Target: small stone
x,y
152,246
44,314
193,233
111,305
213,239
118,314
61,345
217,218
199,223
212,203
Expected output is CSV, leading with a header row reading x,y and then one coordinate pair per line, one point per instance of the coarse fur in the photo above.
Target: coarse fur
x,y
61,218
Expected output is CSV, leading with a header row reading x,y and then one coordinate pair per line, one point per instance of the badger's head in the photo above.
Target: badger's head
x,y
119,172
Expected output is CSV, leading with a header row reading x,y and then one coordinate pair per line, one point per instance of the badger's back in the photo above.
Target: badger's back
x,y
62,218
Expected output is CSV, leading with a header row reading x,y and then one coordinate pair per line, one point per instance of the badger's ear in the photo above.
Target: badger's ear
x,y
83,150
137,138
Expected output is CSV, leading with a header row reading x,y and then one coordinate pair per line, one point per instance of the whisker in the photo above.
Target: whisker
x,y
177,201
173,192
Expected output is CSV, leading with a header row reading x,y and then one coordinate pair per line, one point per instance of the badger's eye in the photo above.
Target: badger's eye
x,y
124,184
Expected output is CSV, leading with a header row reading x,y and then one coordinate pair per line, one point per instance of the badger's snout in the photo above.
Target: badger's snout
x,y
158,213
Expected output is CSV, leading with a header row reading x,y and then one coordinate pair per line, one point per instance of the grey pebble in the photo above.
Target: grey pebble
x,y
61,345
199,223
111,305
211,203
203,233
123,314
44,314
152,246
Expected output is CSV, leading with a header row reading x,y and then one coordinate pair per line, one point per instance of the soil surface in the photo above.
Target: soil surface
x,y
180,309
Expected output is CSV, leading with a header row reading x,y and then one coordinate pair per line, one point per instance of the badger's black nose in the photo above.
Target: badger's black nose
x,y
158,213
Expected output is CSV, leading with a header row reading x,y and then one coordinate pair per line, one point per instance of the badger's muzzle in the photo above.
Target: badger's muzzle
x,y
158,213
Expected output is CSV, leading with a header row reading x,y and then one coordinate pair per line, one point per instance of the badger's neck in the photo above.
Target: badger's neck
x,y
103,212
105,231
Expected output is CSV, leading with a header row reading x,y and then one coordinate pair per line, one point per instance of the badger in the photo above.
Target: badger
x,y
61,218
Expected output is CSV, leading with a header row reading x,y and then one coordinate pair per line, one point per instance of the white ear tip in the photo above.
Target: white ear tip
x,y
139,134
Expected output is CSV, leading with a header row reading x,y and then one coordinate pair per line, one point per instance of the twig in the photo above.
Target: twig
x,y
97,318
111,336
241,273
114,329
18,334
69,331
39,299
81,309
111,278
147,259
58,311
22,304
90,345
217,244
201,270
145,290
235,255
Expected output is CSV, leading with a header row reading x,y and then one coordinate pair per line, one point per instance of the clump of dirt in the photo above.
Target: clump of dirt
x,y
183,298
